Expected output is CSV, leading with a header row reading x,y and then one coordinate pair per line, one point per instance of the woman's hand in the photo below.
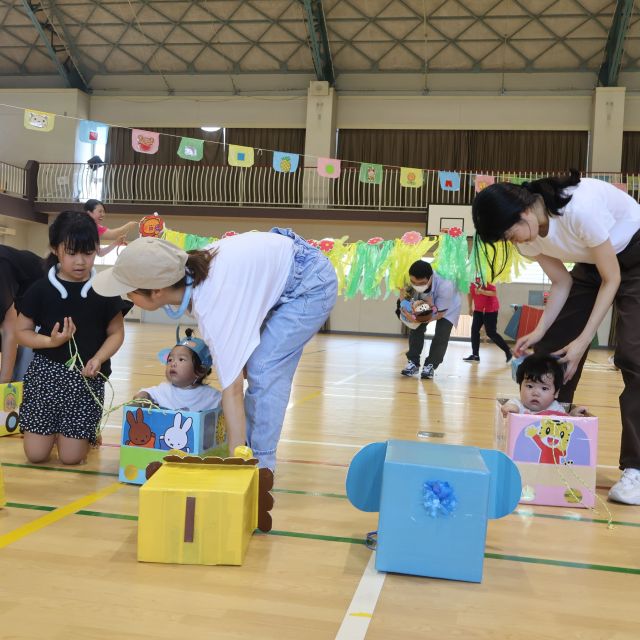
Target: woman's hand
x,y
59,337
92,368
526,342
570,357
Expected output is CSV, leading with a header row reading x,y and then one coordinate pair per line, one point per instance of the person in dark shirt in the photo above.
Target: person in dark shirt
x,y
78,333
18,271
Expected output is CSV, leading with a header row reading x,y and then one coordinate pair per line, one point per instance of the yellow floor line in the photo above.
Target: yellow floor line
x,y
58,514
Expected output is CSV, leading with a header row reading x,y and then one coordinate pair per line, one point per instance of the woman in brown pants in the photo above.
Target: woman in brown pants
x,y
597,226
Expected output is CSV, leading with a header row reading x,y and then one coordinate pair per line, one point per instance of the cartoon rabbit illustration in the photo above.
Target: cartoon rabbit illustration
x,y
140,434
176,437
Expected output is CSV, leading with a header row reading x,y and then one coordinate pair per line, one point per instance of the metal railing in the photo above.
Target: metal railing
x,y
12,180
260,186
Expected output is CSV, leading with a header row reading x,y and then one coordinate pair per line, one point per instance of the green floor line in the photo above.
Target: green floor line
x,y
317,494
361,541
88,472
563,563
576,518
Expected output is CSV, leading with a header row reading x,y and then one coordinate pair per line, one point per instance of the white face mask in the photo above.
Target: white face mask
x,y
420,288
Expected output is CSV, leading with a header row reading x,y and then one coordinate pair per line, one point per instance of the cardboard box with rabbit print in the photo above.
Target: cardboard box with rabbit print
x,y
555,454
150,434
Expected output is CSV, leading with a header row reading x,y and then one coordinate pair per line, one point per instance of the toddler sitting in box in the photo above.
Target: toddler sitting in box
x,y
188,364
539,378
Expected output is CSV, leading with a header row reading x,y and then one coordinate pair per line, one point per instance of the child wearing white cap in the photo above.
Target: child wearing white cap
x,y
292,287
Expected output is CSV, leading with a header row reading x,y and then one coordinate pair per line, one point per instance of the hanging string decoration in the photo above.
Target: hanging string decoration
x,y
494,263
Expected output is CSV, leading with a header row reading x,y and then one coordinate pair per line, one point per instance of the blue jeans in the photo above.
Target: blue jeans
x,y
307,300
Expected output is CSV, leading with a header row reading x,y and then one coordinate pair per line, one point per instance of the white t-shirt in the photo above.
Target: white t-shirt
x,y
554,406
597,211
246,279
200,398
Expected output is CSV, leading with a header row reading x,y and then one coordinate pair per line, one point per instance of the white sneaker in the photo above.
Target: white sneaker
x,y
627,489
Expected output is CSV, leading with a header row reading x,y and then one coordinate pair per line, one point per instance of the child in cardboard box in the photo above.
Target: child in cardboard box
x,y
188,364
540,378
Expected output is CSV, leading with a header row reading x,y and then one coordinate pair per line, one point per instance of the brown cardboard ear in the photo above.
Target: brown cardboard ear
x,y
265,499
152,467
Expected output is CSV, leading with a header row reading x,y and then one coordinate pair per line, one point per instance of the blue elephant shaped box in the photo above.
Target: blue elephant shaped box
x,y
434,502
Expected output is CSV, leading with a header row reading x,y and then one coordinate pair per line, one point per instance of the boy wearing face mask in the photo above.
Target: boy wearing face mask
x,y
428,287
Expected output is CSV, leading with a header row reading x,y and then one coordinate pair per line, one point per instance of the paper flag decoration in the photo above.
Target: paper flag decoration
x,y
633,183
91,131
285,162
39,120
240,156
329,168
482,182
449,180
411,177
621,185
371,173
145,141
191,149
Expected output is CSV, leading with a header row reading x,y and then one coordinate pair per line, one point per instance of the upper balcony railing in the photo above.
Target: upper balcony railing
x,y
12,180
260,186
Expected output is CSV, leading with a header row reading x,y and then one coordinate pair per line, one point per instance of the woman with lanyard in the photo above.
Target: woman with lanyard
x,y
18,271
258,298
595,225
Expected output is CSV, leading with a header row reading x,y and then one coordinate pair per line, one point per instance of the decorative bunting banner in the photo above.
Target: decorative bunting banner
x,y
145,141
39,120
449,180
410,177
513,179
329,168
240,156
370,173
621,185
285,162
191,149
91,131
482,182
633,183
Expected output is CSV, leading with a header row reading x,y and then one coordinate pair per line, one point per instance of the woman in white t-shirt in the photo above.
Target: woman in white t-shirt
x,y
595,225
258,299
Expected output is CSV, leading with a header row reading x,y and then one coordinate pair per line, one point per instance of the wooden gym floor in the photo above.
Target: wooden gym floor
x,y
68,564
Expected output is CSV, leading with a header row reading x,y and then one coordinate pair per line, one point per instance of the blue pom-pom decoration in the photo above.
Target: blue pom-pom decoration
x,y
439,498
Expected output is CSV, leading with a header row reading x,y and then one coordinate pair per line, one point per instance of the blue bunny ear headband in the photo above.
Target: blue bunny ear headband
x,y
197,345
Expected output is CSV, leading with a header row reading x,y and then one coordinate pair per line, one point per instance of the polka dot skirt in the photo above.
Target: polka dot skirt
x,y
56,400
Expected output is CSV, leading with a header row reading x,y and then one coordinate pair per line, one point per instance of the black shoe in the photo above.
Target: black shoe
x,y
509,357
472,358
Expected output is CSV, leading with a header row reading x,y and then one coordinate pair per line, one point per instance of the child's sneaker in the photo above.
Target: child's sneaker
x,y
472,358
427,372
411,369
627,489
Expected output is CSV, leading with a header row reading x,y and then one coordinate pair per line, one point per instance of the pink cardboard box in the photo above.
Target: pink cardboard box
x,y
555,454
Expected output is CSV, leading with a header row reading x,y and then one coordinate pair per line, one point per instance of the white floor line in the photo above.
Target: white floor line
x,y
328,444
360,612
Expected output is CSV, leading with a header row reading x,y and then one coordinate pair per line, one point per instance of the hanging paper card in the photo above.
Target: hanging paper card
x,y
191,149
411,177
38,120
633,183
482,182
329,168
621,185
90,131
371,173
285,162
449,180
145,141
240,156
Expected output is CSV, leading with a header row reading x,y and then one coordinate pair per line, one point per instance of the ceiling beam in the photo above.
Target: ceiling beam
x,y
67,69
319,40
608,74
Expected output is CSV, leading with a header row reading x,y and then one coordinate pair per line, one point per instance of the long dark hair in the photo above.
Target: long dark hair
x,y
76,231
499,206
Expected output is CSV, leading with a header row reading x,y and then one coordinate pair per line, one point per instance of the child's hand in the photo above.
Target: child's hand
x,y
579,412
508,408
91,368
59,337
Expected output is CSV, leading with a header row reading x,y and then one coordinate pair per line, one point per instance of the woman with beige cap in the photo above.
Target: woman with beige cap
x,y
292,287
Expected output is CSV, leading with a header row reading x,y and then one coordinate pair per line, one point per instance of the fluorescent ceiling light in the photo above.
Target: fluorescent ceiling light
x,y
210,128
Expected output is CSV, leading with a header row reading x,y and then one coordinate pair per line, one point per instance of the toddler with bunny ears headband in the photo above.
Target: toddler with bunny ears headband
x,y
188,363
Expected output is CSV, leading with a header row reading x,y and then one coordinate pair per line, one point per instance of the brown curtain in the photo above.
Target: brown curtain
x,y
119,150
631,152
289,140
525,151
